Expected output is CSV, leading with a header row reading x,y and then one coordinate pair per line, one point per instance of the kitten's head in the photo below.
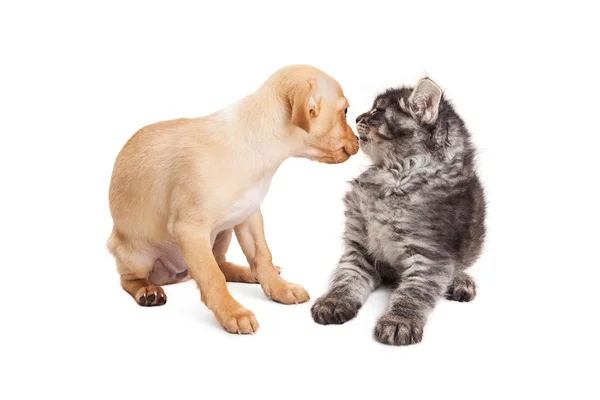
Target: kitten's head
x,y
408,122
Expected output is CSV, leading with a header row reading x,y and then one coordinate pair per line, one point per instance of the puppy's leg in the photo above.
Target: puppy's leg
x,y
351,284
144,292
134,265
421,286
232,272
194,241
251,237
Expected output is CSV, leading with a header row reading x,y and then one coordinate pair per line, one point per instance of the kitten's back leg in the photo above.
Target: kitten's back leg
x,y
462,288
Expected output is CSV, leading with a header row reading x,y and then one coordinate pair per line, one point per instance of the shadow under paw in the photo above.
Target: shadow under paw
x,y
398,331
331,310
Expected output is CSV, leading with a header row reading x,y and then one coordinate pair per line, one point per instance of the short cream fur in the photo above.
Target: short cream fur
x,y
180,189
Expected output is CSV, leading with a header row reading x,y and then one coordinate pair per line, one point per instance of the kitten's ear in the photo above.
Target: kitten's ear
x,y
424,102
304,105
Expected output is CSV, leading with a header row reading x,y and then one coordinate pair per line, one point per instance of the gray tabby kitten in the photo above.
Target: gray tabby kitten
x,y
415,218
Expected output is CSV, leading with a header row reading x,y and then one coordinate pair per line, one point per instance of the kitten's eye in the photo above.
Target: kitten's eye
x,y
376,110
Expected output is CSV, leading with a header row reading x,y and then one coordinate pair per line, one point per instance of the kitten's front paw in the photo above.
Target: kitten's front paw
x,y
332,310
398,331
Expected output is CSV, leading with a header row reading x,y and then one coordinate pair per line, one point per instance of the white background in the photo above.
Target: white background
x,y
77,80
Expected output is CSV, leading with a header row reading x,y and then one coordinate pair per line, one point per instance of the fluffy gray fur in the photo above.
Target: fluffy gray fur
x,y
414,219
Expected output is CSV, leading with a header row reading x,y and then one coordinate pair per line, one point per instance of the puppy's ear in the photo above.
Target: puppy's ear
x,y
304,105
424,102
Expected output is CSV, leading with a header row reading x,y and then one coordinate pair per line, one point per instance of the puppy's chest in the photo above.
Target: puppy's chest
x,y
241,209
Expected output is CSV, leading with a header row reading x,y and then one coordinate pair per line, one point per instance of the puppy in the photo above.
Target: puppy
x,y
180,188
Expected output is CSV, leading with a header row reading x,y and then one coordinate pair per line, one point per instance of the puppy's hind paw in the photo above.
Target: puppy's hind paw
x,y
151,295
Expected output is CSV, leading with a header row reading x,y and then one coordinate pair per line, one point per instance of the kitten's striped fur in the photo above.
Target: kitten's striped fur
x,y
415,218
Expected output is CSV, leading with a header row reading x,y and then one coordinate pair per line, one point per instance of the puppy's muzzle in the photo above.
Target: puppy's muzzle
x,y
351,144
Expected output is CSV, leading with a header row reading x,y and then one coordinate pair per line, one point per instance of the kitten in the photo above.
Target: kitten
x,y
415,218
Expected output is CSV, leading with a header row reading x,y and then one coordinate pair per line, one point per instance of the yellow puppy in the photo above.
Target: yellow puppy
x,y
179,188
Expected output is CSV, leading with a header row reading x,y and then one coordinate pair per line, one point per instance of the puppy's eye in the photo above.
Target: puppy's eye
x,y
346,111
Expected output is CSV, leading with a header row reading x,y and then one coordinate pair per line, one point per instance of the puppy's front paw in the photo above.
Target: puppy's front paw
x,y
332,310
286,293
239,320
398,331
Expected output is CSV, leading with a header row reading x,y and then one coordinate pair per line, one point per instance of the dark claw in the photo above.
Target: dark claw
x,y
162,300
142,300
151,298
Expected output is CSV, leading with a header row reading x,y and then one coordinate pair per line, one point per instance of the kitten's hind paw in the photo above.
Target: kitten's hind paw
x,y
333,310
462,288
398,331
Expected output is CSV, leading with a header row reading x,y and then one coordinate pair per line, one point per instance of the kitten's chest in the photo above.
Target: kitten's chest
x,y
385,219
382,222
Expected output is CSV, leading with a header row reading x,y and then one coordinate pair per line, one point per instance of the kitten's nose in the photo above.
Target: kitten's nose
x,y
359,118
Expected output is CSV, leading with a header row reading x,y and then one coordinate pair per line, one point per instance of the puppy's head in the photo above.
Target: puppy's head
x,y
318,107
